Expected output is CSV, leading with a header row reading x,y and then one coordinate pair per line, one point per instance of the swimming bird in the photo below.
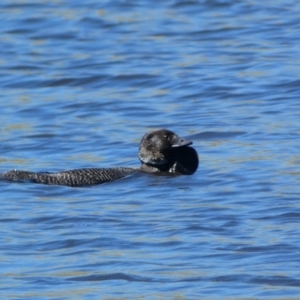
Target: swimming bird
x,y
161,152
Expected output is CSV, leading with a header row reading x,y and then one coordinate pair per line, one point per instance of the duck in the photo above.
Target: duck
x,y
161,152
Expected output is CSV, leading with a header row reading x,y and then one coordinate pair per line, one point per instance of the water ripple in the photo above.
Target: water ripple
x,y
82,82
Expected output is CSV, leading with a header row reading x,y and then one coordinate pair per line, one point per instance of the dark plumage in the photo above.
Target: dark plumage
x,y
77,177
161,151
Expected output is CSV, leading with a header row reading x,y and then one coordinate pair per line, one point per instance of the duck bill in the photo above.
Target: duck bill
x,y
180,142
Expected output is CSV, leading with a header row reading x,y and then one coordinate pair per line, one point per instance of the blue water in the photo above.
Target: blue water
x,y
81,82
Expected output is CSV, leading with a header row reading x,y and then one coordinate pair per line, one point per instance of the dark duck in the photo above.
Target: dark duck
x,y
161,152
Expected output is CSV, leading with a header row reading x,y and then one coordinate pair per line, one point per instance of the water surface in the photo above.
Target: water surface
x,y
82,82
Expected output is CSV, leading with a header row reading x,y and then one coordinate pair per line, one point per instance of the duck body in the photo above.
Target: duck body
x,y
161,152
76,177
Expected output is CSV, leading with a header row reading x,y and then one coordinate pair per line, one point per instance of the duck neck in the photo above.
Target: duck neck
x,y
151,168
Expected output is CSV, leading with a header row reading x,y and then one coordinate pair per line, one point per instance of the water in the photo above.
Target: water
x,y
81,82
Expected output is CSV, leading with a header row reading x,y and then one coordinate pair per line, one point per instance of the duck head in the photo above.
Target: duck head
x,y
162,150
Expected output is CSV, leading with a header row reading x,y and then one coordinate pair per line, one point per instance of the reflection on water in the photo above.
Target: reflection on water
x,y
82,82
